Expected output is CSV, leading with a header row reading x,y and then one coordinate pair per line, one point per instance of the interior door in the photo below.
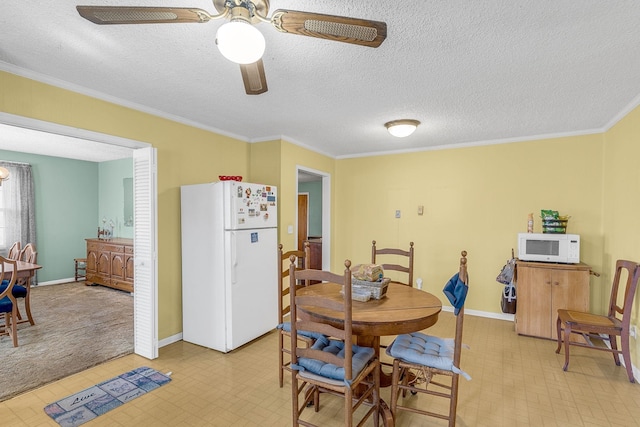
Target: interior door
x,y
145,298
303,219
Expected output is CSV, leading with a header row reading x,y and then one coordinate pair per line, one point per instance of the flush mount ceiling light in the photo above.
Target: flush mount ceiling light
x,y
238,40
401,128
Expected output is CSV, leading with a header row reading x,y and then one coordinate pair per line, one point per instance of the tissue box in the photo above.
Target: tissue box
x,y
377,289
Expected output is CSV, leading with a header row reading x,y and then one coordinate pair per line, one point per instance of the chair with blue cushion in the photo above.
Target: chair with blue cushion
x,y
393,256
8,301
22,288
334,366
421,358
284,327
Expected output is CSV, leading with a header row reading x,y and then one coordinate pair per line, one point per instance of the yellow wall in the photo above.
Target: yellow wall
x,y
186,155
621,205
292,157
476,199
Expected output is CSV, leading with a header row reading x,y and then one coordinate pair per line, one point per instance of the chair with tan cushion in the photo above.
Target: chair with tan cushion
x,y
594,327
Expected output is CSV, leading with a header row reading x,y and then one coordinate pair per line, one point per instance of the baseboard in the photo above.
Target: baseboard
x,y
56,282
170,340
487,314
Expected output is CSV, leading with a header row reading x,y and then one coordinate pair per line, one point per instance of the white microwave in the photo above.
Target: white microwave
x,y
546,247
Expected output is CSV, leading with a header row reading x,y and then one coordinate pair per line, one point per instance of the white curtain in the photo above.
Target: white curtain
x,y
19,202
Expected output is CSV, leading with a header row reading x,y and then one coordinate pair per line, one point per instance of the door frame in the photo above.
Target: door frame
x,y
303,194
82,134
326,212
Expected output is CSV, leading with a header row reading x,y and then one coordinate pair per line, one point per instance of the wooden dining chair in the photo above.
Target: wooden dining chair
x,y
405,267
8,304
604,327
22,289
14,251
396,255
80,267
284,309
333,366
421,362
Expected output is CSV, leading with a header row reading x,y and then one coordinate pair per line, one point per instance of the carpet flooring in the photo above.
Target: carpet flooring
x,y
77,327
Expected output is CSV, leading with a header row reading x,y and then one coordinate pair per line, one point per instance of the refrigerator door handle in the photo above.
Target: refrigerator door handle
x,y
234,258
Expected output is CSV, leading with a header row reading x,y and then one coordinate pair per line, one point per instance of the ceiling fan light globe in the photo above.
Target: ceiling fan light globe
x,y
402,128
240,42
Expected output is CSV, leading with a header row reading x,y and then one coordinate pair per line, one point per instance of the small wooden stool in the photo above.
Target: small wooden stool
x,y
81,268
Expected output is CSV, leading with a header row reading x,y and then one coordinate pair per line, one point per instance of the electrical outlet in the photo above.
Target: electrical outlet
x,y
632,331
397,214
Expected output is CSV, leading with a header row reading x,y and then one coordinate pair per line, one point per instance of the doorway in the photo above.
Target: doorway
x,y
313,212
303,218
59,138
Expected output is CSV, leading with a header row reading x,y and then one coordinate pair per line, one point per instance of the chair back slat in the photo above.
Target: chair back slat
x,y
322,356
322,328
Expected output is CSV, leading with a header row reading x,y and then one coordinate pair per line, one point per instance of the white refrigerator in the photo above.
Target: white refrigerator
x,y
229,256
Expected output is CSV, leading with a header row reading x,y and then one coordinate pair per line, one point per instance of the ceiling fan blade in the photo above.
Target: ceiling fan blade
x,y
331,27
253,77
142,15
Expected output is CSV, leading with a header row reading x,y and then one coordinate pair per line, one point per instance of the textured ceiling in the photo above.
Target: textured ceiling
x,y
470,71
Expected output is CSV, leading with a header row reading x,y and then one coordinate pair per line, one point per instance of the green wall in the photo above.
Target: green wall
x,y
66,208
71,196
111,190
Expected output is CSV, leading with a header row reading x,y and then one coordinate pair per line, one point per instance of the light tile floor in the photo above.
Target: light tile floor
x,y
517,381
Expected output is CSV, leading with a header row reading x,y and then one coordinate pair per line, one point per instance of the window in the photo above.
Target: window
x,y
4,246
17,215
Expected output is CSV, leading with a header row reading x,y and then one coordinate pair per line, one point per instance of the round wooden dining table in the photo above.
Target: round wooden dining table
x,y
402,310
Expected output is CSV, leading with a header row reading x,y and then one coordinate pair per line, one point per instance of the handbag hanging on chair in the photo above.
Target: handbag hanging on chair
x,y
507,277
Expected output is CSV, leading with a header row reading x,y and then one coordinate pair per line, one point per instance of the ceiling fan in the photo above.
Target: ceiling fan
x,y
238,40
